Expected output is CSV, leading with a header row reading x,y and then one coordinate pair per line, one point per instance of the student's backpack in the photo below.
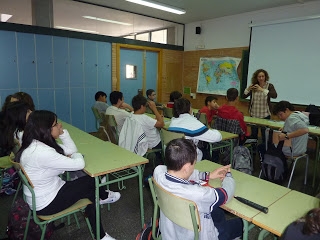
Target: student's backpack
x,y
17,221
314,116
274,163
146,232
242,160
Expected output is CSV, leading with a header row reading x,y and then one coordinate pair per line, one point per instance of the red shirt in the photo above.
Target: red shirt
x,y
210,113
231,112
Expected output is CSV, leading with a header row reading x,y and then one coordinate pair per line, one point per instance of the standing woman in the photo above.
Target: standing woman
x,y
260,92
44,160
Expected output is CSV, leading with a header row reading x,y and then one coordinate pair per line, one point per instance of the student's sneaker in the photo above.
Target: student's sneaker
x,y
107,237
112,197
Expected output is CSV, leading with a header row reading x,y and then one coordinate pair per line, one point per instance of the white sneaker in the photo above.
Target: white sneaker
x,y
107,237
112,197
104,179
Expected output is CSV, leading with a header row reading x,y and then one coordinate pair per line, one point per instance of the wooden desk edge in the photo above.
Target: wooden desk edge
x,y
115,169
271,230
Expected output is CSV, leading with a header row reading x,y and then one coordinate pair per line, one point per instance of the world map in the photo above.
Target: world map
x,y
217,75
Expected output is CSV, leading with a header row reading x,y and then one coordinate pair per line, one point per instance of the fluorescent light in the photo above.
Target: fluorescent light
x,y
160,6
4,17
76,29
107,20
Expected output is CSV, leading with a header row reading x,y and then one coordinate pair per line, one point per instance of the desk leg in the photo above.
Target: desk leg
x,y
246,228
97,208
263,233
315,169
141,196
231,151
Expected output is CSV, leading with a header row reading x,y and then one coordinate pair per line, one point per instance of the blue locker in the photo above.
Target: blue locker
x,y
44,61
62,99
26,60
46,100
104,67
8,61
77,108
89,101
90,64
76,63
60,61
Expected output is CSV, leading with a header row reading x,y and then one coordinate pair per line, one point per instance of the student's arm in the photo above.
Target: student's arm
x,y
297,133
68,145
126,106
211,135
159,118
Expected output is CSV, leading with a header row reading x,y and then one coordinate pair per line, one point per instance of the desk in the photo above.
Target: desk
x,y
103,158
313,131
247,186
290,207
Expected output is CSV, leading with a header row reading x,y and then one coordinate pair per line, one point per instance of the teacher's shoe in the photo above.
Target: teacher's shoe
x,y
112,197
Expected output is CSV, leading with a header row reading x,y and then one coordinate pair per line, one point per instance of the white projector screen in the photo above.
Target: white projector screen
x,y
290,53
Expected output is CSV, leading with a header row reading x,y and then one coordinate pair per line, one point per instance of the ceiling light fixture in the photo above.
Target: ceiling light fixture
x,y
76,29
107,20
160,6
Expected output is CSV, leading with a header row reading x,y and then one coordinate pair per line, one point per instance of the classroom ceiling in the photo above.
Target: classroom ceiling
x,y
197,10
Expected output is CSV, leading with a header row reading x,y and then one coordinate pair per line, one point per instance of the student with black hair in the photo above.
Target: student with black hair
x,y
210,108
151,96
101,102
118,109
180,178
44,160
184,122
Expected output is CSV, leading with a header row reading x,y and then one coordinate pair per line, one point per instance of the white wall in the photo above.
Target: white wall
x,y
234,31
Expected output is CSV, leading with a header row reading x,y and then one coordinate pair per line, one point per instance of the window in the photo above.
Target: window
x,y
131,71
159,36
143,37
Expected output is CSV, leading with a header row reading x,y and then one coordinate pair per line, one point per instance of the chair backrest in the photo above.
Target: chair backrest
x,y
97,116
168,112
109,125
228,125
203,118
181,211
167,136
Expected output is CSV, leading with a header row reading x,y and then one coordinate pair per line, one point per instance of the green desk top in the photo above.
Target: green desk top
x,y
276,124
102,157
247,186
286,210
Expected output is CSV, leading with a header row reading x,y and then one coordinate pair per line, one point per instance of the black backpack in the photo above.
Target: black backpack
x,y
242,160
314,116
274,163
146,232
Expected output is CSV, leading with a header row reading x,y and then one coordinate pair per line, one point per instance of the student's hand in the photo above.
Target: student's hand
x,y
216,105
220,172
282,136
126,106
258,88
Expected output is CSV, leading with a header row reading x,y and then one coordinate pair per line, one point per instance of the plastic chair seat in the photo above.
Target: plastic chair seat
x,y
82,203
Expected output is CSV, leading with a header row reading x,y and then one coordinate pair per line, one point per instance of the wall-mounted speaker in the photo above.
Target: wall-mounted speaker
x,y
198,30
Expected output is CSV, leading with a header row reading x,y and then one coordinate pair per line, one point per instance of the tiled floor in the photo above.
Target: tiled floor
x,y
123,220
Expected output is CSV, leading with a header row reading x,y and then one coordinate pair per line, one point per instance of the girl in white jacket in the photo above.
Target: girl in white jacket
x,y
44,160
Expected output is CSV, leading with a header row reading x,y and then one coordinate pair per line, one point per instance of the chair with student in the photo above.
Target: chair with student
x,y
181,211
166,137
97,116
293,159
42,220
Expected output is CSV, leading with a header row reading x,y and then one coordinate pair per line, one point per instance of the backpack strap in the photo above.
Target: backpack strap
x,y
280,145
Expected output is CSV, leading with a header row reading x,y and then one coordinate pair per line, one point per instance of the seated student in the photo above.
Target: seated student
x,y
12,124
101,101
173,97
149,125
44,160
229,110
210,108
23,97
306,228
180,178
295,128
184,122
117,109
151,96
